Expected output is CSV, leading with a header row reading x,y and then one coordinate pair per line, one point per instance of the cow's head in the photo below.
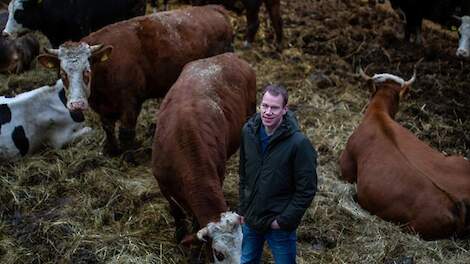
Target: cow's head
x,y
74,60
464,37
402,86
8,55
226,236
23,16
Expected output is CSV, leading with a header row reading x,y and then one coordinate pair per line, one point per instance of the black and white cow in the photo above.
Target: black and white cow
x,y
62,20
464,37
36,118
439,11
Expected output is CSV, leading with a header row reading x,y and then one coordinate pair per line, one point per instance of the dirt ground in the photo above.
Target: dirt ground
x,y
77,206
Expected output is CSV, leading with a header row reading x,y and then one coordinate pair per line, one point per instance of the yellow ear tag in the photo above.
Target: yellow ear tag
x,y
50,65
454,28
104,57
39,1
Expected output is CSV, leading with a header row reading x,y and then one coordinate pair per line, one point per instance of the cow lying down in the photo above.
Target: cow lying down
x,y
399,177
36,118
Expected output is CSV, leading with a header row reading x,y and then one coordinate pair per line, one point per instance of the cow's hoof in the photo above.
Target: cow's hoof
x,y
111,150
247,45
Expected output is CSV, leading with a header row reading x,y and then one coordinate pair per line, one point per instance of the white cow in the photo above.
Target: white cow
x,y
464,38
37,118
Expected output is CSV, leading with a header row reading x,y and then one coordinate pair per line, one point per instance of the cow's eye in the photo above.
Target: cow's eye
x,y
64,77
219,255
86,76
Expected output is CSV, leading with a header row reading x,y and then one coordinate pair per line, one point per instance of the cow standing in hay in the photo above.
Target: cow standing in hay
x,y
36,118
63,20
400,178
148,53
199,128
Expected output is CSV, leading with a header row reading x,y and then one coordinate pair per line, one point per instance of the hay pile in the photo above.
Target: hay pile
x,y
77,206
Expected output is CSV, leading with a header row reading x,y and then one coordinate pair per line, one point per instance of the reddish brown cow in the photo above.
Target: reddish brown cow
x,y
400,178
148,55
199,126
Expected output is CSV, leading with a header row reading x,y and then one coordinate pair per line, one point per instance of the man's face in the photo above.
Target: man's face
x,y
272,110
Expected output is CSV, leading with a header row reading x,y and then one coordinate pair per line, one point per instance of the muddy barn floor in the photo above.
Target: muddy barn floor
x,y
77,206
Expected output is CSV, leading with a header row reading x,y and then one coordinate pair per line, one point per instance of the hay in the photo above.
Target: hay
x,y
77,206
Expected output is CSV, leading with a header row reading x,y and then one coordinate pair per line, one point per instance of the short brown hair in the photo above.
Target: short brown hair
x,y
277,89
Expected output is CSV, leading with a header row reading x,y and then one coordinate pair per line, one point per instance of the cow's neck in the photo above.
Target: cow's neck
x,y
384,101
210,212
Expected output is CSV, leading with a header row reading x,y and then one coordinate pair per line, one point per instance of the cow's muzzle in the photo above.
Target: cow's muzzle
x,y
79,105
462,53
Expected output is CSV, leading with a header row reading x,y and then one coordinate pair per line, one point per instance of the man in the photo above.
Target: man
x,y
277,179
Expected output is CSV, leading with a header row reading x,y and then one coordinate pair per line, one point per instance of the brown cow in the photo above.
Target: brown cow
x,y
252,7
199,126
400,178
148,55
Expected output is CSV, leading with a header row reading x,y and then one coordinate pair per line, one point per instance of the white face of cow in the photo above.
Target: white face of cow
x,y
226,238
75,72
464,41
13,28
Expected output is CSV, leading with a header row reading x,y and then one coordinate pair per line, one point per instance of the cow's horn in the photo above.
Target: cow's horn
x,y
410,81
95,47
54,52
457,17
363,75
202,233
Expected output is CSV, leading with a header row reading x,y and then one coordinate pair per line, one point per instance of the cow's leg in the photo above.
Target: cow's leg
x,y
348,166
127,128
111,145
154,5
252,20
178,214
165,5
274,11
197,252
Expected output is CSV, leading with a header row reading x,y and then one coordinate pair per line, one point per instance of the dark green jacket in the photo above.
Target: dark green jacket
x,y
281,183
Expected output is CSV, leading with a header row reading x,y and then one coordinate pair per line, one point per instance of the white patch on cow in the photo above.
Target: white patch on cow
x,y
226,238
45,119
383,77
74,61
208,74
12,27
171,20
464,42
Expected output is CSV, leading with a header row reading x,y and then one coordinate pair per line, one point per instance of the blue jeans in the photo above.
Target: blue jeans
x,y
282,244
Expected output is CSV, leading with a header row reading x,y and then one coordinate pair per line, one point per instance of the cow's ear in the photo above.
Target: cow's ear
x,y
49,61
101,55
188,240
404,91
371,85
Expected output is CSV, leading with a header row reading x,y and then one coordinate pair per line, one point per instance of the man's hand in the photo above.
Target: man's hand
x,y
275,225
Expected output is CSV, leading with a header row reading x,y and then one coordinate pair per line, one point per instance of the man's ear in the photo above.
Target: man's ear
x,y
49,61
102,55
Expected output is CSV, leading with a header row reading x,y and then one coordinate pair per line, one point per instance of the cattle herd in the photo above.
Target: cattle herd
x,y
110,58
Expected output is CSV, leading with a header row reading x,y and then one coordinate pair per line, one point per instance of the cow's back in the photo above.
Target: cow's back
x,y
150,51
199,125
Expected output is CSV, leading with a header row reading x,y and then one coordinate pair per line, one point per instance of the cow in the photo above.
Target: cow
x,y
439,11
400,178
199,128
149,53
36,118
16,55
252,12
463,50
63,20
